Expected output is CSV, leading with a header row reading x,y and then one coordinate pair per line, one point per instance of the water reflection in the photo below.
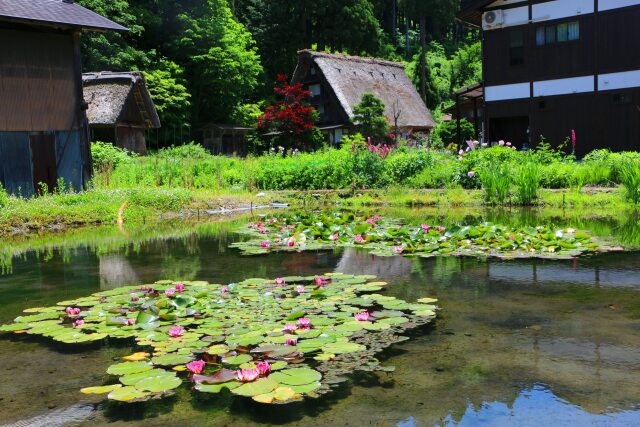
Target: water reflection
x,y
504,328
535,407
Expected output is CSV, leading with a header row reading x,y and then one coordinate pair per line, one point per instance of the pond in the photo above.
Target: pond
x,y
523,342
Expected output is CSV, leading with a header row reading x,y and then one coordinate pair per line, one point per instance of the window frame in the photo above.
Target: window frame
x,y
553,31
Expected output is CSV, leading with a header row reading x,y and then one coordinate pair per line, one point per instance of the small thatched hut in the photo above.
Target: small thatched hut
x,y
337,83
120,109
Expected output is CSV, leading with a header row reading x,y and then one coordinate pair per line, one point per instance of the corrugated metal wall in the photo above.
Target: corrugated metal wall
x,y
15,163
38,81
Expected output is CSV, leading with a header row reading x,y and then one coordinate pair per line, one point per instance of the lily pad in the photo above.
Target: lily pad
x,y
296,376
261,386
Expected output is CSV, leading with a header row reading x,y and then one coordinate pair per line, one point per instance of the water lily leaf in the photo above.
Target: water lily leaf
x,y
126,368
127,394
136,357
237,360
342,347
132,379
222,376
218,349
217,388
100,389
261,386
306,388
12,327
159,383
296,376
171,359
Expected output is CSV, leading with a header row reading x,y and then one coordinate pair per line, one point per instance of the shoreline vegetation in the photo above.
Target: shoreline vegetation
x,y
186,182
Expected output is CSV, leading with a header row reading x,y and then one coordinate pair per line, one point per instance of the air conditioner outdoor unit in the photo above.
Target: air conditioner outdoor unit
x,y
492,19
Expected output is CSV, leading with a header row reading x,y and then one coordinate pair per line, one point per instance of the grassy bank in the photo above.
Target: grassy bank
x,y
187,179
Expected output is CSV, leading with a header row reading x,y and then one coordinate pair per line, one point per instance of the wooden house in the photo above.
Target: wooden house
x,y
337,83
551,67
227,139
43,126
120,109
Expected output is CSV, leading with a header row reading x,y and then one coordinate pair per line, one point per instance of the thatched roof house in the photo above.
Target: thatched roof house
x,y
337,83
120,109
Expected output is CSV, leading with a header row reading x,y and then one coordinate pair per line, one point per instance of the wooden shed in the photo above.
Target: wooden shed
x,y
230,139
120,109
337,83
43,126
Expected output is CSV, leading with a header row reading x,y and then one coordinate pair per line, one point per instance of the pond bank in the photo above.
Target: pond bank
x,y
153,205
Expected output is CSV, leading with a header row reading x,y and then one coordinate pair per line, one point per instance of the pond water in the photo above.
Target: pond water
x,y
516,342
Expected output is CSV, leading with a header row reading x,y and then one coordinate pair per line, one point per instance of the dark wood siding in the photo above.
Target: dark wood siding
x,y
38,81
619,40
497,67
43,156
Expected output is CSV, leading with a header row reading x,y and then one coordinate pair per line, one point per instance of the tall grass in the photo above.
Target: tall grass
x,y
496,183
630,176
527,183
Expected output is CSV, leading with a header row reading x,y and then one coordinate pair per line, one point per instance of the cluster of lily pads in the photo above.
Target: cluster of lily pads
x,y
387,237
275,341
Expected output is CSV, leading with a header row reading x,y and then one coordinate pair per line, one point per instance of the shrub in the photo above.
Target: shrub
x,y
527,183
369,117
496,183
630,177
190,151
106,157
447,132
4,199
401,167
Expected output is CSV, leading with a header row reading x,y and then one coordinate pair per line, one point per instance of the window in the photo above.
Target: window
x,y
516,47
315,90
320,109
558,33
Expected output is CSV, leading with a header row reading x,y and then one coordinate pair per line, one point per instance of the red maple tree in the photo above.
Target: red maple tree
x,y
292,117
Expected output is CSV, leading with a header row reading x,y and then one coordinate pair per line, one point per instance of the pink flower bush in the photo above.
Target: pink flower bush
x,y
362,316
359,238
292,341
196,367
180,287
176,331
398,249
247,375
265,244
264,368
471,174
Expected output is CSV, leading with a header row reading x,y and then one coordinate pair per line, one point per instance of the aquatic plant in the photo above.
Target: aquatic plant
x,y
388,237
261,338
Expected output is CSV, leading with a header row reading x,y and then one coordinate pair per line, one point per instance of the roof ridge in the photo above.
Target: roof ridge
x,y
345,57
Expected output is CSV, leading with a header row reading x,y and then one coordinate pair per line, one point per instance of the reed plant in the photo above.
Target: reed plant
x,y
496,184
630,177
527,183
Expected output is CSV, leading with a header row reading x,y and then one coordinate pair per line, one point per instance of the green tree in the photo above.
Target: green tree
x,y
169,94
369,118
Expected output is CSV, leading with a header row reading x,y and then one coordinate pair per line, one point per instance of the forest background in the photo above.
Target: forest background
x,y
216,61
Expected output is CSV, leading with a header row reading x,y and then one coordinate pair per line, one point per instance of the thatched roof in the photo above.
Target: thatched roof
x,y
116,98
351,76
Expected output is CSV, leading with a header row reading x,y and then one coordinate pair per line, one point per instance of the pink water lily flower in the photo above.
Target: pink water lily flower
x,y
71,311
291,242
290,327
224,290
180,287
292,341
321,281
398,249
425,228
129,322
250,225
334,237
359,238
280,281
511,237
300,289
304,324
264,368
291,227
196,367
135,298
262,230
377,218
247,375
78,322
259,224
271,220
441,228
277,240
176,331
265,244
170,291
362,316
